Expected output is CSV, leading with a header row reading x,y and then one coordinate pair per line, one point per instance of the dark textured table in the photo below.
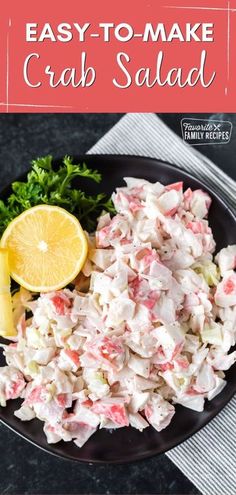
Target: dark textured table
x,y
24,469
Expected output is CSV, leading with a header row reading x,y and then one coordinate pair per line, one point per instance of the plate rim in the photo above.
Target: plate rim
x,y
170,165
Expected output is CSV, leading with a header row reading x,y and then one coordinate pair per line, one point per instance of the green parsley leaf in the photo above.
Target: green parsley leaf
x,y
53,185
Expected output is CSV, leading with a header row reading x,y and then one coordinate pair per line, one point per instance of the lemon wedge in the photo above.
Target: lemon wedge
x,y
7,328
47,248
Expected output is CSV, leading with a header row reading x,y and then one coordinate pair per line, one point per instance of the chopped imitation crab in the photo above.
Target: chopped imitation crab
x,y
150,323
169,202
12,384
226,291
177,186
61,303
200,203
109,351
159,412
226,259
69,360
116,412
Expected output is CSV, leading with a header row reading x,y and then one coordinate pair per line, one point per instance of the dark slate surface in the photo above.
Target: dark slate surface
x,y
24,469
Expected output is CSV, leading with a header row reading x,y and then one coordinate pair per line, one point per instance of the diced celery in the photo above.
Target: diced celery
x,y
212,335
32,368
209,271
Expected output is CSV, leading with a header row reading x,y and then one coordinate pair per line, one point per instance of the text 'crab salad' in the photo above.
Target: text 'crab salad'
x,y
149,325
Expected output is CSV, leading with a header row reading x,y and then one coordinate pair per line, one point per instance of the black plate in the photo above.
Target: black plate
x,y
128,444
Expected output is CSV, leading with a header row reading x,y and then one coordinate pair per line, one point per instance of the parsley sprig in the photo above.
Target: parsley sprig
x,y
54,186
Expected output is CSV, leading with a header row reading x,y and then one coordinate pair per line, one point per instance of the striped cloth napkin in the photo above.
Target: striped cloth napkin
x,y
208,458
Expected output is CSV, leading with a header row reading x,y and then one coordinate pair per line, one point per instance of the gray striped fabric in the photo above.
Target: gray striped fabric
x,y
208,458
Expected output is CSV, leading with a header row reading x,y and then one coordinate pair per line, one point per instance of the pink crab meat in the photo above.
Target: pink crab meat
x,y
164,311
82,434
190,301
152,299
141,293
159,358
144,258
198,227
159,412
187,198
166,366
182,362
200,203
116,229
169,202
226,291
145,254
226,259
108,350
36,395
191,391
135,205
177,186
178,348
61,303
15,387
63,400
148,411
102,237
132,201
229,286
171,340
73,356
87,402
137,191
125,242
115,412
150,257
121,201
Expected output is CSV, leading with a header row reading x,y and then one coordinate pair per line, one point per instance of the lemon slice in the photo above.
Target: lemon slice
x,y
7,328
47,248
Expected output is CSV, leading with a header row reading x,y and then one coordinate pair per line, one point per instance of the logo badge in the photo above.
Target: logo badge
x,y
203,131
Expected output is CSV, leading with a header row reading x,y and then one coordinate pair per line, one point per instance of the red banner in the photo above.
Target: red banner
x,y
126,56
